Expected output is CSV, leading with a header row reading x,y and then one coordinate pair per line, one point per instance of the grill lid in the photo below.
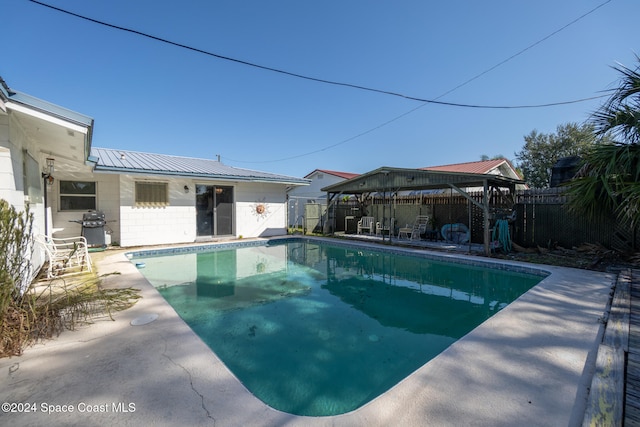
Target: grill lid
x,y
93,216
93,219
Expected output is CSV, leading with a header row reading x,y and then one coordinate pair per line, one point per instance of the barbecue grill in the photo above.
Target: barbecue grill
x,y
93,223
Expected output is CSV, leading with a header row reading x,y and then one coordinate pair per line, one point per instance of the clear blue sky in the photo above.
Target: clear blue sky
x,y
149,96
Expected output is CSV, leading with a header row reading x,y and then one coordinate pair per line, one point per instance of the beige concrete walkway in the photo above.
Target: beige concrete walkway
x,y
530,364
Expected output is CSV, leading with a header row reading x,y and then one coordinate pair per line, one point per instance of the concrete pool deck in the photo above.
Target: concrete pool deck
x,y
530,364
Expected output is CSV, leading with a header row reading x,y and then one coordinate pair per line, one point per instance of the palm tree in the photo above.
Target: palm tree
x,y
620,115
609,180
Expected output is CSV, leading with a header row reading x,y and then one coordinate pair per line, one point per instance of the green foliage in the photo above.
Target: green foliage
x,y
620,115
29,313
485,157
541,151
609,181
15,307
15,252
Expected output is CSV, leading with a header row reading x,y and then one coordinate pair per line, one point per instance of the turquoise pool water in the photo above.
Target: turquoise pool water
x,y
316,329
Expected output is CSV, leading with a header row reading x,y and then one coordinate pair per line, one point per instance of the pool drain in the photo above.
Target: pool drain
x,y
144,319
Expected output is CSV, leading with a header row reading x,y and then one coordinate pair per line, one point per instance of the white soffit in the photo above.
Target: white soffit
x,y
46,117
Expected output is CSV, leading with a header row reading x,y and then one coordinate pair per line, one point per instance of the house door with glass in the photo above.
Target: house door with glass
x,y
214,210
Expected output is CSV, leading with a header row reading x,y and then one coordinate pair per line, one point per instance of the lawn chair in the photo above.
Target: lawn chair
x,y
420,227
65,256
366,223
388,229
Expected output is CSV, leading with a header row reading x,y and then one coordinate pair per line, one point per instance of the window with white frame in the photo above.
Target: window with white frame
x,y
31,178
77,195
151,194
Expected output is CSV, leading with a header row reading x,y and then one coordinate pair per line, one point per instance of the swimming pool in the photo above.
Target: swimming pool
x,y
320,329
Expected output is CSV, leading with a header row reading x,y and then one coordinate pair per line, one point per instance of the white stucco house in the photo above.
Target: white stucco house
x,y
48,163
151,199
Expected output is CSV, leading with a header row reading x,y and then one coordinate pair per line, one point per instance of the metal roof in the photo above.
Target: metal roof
x,y
496,166
343,175
481,166
399,179
125,161
43,106
54,129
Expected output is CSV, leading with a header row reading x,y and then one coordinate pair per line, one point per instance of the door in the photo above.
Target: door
x,y
214,210
224,211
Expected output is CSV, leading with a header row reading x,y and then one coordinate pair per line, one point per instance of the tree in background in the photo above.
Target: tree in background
x,y
484,157
541,151
609,180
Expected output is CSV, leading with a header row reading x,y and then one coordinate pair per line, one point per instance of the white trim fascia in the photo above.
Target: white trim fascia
x,y
47,117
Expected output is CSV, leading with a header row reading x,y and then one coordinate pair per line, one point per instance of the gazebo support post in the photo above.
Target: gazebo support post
x,y
485,209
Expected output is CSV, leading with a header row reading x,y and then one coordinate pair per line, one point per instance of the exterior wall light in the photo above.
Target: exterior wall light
x,y
47,174
50,165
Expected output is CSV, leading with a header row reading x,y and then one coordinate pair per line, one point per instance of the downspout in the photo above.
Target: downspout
x,y
45,177
46,180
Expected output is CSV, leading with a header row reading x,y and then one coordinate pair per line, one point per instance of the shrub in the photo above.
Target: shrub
x,y
27,313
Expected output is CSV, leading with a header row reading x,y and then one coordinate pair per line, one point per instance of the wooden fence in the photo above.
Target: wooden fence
x,y
542,218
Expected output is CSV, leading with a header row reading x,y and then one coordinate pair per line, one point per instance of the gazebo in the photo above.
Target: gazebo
x,y
393,180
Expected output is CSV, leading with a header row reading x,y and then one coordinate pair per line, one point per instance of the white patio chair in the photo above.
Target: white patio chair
x,y
404,232
65,256
380,229
366,223
419,227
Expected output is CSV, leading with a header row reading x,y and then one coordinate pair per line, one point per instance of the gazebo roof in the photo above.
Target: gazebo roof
x,y
402,179
388,179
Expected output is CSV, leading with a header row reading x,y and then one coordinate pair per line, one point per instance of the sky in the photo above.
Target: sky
x,y
150,96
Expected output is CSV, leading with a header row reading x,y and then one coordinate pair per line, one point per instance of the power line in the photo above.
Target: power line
x,y
354,86
328,147
584,15
446,93
336,83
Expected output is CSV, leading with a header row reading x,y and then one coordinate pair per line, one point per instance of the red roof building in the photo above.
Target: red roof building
x,y
501,167
343,175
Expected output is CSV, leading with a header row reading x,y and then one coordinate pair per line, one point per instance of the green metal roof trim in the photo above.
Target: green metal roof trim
x,y
133,162
400,179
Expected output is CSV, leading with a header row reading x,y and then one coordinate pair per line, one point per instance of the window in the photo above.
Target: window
x,y
31,178
151,194
77,195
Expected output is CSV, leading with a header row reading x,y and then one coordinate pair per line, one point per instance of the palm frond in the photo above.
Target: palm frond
x,y
608,182
621,112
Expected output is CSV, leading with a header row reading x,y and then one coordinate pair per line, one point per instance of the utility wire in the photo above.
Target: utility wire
x,y
526,49
385,92
331,82
444,94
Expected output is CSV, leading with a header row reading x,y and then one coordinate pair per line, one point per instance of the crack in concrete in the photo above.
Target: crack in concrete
x,y
164,353
13,368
